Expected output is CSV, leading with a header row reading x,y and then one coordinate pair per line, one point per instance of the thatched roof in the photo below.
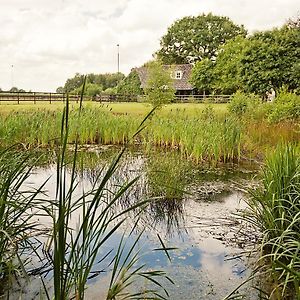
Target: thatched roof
x,y
179,84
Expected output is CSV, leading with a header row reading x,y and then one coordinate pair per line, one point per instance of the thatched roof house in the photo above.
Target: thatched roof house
x,y
179,73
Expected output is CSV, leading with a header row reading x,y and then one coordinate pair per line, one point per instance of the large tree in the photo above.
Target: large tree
x,y
131,85
265,60
159,89
271,60
107,80
191,39
74,83
227,68
222,75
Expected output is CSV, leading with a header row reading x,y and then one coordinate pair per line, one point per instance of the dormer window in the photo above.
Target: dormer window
x,y
178,75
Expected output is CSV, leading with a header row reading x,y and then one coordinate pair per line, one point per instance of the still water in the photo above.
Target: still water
x,y
193,211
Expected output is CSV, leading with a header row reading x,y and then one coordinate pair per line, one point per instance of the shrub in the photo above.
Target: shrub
x,y
131,85
159,88
111,91
275,210
242,103
285,107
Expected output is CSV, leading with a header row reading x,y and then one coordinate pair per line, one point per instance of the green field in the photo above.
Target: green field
x,y
118,108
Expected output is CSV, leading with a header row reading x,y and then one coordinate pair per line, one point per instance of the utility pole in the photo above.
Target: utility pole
x,y
12,75
118,58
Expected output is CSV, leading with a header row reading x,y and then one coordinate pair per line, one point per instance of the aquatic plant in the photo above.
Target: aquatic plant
x,y
274,209
16,215
81,225
167,175
210,138
74,250
198,135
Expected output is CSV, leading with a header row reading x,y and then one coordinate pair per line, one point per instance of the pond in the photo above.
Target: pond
x,y
192,210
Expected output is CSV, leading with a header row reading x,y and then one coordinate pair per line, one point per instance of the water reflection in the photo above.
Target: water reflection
x,y
166,179
182,198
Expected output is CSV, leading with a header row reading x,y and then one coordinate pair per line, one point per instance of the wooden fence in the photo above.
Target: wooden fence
x,y
117,98
177,98
35,97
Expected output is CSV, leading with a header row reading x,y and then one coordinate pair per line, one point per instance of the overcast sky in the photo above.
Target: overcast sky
x,y
48,41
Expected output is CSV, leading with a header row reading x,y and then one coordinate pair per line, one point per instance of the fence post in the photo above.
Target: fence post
x,y
50,98
34,98
18,98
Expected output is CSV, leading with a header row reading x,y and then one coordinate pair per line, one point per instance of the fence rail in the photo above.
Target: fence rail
x,y
177,98
35,97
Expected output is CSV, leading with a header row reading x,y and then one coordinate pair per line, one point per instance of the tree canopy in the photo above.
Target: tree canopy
x,y
159,88
202,76
15,90
192,39
294,22
271,60
99,81
73,83
258,63
130,85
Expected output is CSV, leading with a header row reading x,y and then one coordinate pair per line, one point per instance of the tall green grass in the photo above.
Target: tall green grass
x,y
202,136
16,216
81,226
275,210
74,250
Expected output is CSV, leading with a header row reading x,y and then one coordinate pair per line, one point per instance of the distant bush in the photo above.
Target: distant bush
x,y
242,103
131,85
285,107
91,89
111,91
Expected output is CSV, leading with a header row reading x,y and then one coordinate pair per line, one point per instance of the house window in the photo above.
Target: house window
x,y
178,74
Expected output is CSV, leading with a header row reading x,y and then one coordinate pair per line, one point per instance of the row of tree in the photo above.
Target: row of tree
x,y
14,90
257,63
225,59
95,83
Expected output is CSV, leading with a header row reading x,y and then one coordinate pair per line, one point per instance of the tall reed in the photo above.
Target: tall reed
x,y
74,249
16,216
275,210
199,136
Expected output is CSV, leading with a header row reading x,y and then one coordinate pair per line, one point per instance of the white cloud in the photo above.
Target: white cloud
x,y
48,41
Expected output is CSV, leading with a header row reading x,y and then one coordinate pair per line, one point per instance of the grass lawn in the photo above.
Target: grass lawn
x,y
6,107
143,108
118,108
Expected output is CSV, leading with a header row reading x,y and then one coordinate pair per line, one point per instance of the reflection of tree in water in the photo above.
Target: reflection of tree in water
x,y
161,178
168,175
167,179
168,213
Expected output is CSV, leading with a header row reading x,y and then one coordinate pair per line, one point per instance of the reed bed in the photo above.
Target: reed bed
x,y
275,210
17,227
200,136
72,249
